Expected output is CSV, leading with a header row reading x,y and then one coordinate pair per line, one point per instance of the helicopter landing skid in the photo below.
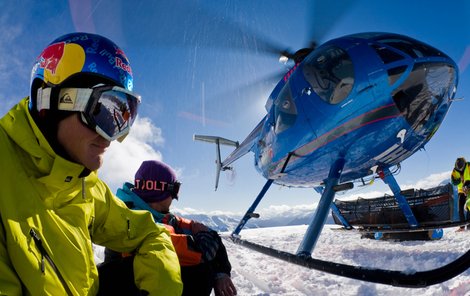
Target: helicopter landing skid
x,y
395,278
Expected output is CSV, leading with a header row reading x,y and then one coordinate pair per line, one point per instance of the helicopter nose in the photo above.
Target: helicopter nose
x,y
426,94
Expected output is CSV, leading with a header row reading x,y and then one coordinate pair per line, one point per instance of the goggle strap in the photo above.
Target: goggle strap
x,y
74,99
70,99
43,98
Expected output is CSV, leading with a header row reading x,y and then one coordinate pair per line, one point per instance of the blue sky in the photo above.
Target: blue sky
x,y
197,76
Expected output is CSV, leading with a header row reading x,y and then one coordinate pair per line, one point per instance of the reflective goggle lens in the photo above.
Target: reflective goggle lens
x,y
174,189
111,112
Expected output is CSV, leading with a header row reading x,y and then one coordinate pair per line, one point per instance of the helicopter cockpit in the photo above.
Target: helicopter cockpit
x,y
430,82
330,72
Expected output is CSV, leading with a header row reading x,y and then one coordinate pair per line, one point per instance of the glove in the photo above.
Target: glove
x,y
466,186
208,244
197,227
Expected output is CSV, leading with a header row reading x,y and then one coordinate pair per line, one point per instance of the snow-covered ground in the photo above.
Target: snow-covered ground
x,y
257,274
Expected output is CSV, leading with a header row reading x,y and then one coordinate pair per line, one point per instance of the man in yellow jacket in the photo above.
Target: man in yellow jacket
x,y
52,204
460,177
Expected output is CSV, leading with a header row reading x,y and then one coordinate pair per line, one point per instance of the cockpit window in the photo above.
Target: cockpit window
x,y
423,91
414,48
387,55
395,73
285,112
330,72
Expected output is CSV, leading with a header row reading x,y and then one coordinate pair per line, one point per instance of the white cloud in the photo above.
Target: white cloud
x,y
122,160
370,194
430,181
143,130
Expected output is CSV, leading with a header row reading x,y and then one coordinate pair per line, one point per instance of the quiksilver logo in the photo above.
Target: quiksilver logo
x,y
66,99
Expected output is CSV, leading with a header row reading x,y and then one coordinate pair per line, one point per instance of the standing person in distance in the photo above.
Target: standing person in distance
x,y
53,206
460,177
203,257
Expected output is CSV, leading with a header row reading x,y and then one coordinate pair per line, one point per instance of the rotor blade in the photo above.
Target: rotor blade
x,y
245,95
325,14
198,28
248,90
464,60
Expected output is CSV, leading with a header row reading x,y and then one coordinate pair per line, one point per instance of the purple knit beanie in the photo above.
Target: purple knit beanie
x,y
152,179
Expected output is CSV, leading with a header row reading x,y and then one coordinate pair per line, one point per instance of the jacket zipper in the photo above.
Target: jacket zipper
x,y
45,255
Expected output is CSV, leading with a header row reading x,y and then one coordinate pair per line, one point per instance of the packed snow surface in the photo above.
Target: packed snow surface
x,y
258,274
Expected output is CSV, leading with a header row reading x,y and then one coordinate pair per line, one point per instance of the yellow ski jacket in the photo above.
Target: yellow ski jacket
x,y
458,179
50,216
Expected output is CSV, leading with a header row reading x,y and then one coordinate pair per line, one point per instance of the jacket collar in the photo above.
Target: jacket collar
x,y
50,169
127,195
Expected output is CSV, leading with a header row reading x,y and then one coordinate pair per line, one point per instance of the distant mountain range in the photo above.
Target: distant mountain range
x,y
228,222
290,215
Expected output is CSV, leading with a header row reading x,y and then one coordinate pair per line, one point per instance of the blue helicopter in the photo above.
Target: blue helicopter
x,y
349,110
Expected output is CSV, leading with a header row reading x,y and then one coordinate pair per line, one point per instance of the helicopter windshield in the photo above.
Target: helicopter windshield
x,y
418,101
330,72
414,49
285,111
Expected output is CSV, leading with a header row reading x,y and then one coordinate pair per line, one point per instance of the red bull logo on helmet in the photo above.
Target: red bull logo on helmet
x,y
51,56
60,60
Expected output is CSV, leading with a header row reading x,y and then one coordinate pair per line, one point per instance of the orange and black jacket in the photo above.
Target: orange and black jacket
x,y
182,236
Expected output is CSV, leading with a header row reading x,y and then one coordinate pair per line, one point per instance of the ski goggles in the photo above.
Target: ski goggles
x,y
108,110
174,189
